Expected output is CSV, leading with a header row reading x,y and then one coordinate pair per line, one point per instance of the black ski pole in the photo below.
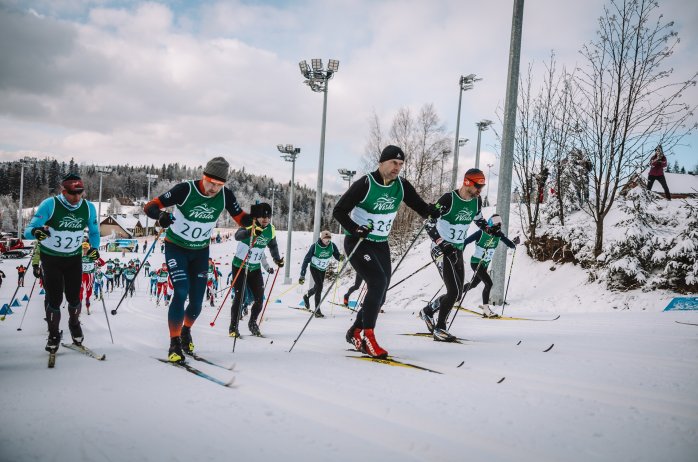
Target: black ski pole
x,y
327,292
407,277
113,312
410,247
241,297
27,308
104,305
511,267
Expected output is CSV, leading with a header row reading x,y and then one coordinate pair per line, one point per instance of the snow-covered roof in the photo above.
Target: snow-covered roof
x,y
679,183
128,222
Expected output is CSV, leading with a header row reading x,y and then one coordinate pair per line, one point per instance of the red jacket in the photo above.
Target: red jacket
x,y
657,165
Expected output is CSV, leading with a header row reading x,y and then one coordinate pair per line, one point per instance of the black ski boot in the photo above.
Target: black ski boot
x,y
306,301
233,331
441,334
53,342
187,342
76,333
318,313
427,315
175,354
254,328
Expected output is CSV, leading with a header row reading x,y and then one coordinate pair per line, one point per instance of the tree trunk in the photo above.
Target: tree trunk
x,y
598,242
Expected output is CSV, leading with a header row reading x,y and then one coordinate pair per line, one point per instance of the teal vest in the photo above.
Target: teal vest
x,y
67,229
378,208
484,249
453,226
255,258
321,256
195,219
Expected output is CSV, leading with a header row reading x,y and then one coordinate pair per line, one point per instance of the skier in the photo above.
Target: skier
x,y
88,275
163,278
99,284
146,269
211,281
487,242
198,204
2,276
58,226
21,271
153,283
249,297
117,273
260,235
367,210
109,277
458,209
129,278
358,280
318,257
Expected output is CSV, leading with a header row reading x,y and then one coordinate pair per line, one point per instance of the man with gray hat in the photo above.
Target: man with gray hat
x,y
197,206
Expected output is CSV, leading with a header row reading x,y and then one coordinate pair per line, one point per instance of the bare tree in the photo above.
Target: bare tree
x,y
626,105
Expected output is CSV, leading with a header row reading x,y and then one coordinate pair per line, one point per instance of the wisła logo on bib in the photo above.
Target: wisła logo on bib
x,y
385,202
261,241
71,221
202,212
464,215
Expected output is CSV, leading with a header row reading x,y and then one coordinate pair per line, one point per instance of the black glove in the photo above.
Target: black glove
x,y
301,280
517,240
280,262
434,211
40,233
447,248
37,271
362,231
92,254
165,219
270,270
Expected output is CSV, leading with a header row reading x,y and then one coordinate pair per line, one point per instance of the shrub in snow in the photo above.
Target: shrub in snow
x,y
640,255
681,258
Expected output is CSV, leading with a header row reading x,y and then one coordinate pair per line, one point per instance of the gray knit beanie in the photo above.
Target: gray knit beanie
x,y
217,169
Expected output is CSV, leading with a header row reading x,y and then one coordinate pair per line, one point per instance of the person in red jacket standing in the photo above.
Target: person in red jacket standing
x,y
657,165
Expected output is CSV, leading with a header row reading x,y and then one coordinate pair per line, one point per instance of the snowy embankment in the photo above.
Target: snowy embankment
x,y
619,384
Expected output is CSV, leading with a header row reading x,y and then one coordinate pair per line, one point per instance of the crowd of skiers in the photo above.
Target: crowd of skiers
x,y
69,263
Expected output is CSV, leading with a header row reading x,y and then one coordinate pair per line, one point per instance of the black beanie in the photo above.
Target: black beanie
x,y
391,152
217,168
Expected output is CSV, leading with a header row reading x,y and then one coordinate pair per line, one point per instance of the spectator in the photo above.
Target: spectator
x,y
657,165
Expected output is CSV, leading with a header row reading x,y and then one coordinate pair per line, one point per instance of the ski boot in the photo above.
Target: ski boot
x,y
76,333
254,328
318,313
306,301
441,334
354,338
175,354
233,331
346,300
427,315
187,342
53,342
371,346
487,311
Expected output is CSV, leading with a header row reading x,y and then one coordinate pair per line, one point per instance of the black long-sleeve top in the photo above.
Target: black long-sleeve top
x,y
357,192
446,201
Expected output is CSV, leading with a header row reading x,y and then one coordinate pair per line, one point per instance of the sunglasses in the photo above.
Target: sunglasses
x,y
478,185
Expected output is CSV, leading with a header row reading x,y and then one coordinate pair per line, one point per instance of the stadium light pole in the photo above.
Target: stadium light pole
x,y
273,193
346,175
481,127
150,177
506,161
289,154
465,83
20,218
101,171
317,78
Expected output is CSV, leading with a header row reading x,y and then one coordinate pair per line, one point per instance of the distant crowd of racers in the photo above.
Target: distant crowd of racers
x,y
69,264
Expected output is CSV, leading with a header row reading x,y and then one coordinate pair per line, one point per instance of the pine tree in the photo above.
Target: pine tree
x,y
681,270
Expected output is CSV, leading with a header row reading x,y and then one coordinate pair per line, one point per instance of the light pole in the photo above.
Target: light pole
x,y
150,177
464,83
487,194
481,127
346,175
289,154
101,171
20,218
273,193
317,79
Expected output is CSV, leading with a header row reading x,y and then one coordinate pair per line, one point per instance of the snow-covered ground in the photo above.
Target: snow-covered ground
x,y
620,383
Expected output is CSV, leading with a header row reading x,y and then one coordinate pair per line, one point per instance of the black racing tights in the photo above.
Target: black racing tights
x,y
481,275
372,262
61,275
318,280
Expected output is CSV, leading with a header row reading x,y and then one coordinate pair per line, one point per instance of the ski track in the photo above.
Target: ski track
x,y
618,385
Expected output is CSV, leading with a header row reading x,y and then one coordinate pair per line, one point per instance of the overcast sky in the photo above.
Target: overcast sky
x,y
182,81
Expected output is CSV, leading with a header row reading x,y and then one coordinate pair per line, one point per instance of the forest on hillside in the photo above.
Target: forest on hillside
x,y
128,184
